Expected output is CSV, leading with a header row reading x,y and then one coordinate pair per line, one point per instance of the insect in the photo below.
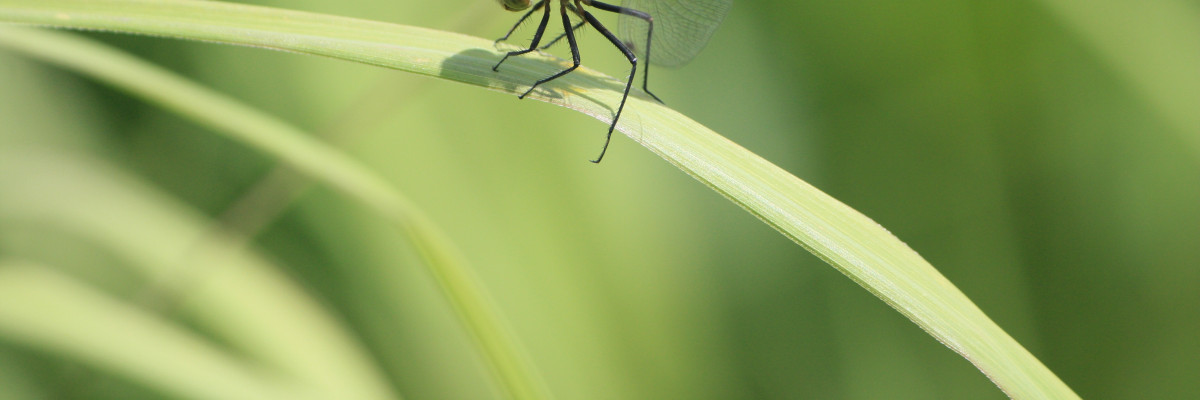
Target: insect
x,y
676,29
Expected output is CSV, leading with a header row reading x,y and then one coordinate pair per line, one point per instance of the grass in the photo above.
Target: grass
x,y
847,240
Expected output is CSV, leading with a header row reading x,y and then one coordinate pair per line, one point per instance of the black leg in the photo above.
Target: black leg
x,y
649,34
560,37
572,9
632,61
519,22
574,55
537,36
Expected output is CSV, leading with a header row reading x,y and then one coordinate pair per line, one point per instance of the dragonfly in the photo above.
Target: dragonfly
x,y
675,29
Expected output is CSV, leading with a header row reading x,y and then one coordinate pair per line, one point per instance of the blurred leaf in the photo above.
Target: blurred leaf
x,y
207,275
50,311
1155,45
849,241
17,381
308,156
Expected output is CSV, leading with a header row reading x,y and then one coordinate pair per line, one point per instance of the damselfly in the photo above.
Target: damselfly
x,y
675,29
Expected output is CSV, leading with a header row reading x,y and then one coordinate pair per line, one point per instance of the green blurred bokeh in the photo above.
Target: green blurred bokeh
x,y
1030,150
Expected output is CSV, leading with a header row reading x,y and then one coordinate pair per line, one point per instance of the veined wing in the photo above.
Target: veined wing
x,y
681,28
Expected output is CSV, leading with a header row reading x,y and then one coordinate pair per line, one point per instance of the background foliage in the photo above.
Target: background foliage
x,y
1035,152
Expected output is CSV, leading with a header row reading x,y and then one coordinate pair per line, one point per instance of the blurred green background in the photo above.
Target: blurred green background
x,y
1043,155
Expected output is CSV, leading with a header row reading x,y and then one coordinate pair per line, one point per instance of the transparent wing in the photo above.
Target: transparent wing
x,y
681,28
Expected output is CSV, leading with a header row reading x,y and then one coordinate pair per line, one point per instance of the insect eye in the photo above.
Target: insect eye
x,y
514,5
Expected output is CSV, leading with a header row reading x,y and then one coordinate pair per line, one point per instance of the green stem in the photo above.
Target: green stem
x,y
316,160
849,241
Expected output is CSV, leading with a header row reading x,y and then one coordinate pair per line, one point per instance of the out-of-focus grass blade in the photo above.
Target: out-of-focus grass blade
x,y
1154,45
47,310
320,162
423,51
224,288
847,240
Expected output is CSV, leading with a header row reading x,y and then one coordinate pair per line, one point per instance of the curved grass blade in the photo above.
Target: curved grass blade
x,y
846,239
219,285
1154,46
478,313
50,311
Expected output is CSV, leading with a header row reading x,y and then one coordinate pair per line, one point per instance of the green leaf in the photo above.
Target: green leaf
x,y
847,240
45,309
1154,46
216,282
318,161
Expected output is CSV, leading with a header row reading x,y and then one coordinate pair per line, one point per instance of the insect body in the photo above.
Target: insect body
x,y
685,26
